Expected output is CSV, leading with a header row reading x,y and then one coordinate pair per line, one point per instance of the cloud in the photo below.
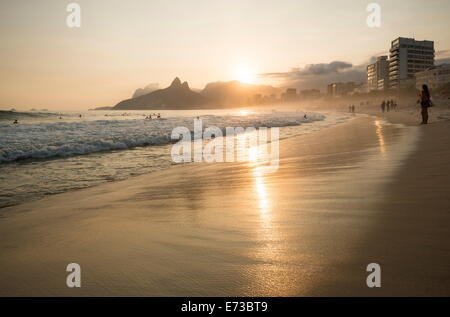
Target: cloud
x,y
442,57
443,54
443,61
319,75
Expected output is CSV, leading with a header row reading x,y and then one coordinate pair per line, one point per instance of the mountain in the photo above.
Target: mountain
x,y
146,90
175,97
235,93
102,108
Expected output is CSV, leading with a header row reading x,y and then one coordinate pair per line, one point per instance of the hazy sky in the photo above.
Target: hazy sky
x,y
125,45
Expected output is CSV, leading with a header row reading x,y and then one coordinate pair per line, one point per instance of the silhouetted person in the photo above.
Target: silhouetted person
x,y
425,102
388,106
383,106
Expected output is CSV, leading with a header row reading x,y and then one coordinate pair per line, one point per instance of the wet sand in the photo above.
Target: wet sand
x,y
360,192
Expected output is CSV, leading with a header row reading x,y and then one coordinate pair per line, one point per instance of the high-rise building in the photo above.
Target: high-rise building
x,y
310,94
341,89
378,72
290,95
407,57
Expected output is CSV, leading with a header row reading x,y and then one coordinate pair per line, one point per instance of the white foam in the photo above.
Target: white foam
x,y
62,139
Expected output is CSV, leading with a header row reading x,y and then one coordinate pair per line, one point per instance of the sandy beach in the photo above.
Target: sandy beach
x,y
364,191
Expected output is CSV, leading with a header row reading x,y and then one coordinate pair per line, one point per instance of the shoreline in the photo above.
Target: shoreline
x,y
163,234
69,168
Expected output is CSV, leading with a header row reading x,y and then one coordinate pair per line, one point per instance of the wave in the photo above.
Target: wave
x,y
63,139
9,115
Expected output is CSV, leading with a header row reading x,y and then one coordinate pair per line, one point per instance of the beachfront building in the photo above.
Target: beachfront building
x,y
376,72
290,95
408,57
341,89
383,84
310,94
435,77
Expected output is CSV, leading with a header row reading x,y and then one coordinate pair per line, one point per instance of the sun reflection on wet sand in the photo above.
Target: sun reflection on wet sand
x,y
268,274
255,158
261,192
379,132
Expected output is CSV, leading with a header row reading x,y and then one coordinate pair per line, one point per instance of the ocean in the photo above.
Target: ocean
x,y
53,152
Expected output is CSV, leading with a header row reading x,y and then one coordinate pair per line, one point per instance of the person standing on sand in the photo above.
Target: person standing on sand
x,y
425,102
383,106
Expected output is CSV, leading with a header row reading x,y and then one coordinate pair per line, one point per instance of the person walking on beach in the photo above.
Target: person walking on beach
x,y
425,103
383,106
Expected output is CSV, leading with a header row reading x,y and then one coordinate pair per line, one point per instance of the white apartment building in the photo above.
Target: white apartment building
x,y
408,57
376,72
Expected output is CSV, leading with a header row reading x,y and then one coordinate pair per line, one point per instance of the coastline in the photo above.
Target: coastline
x,y
186,232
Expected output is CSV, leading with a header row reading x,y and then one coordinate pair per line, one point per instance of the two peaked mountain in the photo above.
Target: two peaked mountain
x,y
175,97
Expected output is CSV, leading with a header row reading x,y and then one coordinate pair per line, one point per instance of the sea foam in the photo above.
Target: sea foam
x,y
62,139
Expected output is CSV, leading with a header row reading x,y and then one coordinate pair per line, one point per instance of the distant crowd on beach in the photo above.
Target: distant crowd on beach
x,y
389,105
386,106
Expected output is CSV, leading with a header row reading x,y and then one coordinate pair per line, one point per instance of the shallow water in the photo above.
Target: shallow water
x,y
46,155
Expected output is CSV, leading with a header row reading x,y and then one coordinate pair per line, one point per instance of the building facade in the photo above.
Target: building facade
x,y
341,89
310,94
376,72
408,57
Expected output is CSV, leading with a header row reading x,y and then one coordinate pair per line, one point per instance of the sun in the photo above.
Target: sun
x,y
244,112
245,74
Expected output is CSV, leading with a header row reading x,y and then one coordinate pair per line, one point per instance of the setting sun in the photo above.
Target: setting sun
x,y
244,112
245,74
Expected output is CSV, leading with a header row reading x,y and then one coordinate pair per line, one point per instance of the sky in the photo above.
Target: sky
x,y
125,45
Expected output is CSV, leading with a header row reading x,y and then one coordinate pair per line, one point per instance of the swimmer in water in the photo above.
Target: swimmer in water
x,y
16,122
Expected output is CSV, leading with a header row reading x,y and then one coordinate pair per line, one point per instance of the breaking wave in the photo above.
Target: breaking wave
x,y
63,139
